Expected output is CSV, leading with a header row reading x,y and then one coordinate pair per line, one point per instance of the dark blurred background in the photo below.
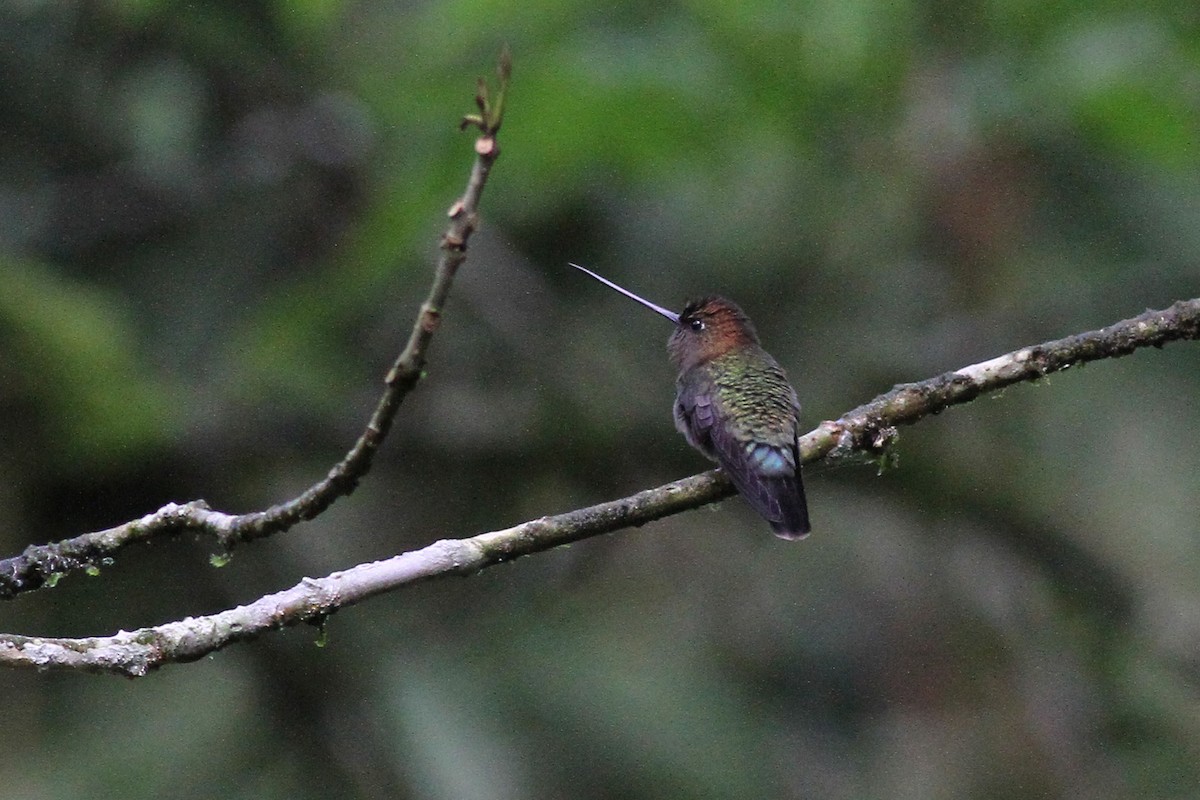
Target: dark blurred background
x,y
217,221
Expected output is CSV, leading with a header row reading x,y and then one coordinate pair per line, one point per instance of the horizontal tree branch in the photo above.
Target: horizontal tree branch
x,y
43,565
869,428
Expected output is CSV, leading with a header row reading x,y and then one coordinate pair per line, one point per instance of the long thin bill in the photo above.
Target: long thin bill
x,y
671,315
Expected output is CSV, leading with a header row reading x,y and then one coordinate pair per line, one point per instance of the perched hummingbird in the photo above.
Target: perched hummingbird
x,y
734,404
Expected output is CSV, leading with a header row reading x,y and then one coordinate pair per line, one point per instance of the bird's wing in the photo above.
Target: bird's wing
x,y
696,415
767,475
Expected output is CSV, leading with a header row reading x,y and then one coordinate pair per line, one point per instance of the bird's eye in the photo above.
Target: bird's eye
x,y
696,325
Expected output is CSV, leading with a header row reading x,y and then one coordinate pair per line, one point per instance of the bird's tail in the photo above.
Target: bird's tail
x,y
791,519
778,498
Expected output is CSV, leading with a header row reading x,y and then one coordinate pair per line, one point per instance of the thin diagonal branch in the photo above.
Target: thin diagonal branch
x,y
868,428
41,565
871,427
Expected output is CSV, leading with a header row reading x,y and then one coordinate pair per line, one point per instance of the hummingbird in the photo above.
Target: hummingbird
x,y
734,404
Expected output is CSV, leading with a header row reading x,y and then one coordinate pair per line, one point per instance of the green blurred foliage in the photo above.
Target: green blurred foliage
x,y
217,221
